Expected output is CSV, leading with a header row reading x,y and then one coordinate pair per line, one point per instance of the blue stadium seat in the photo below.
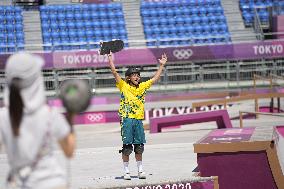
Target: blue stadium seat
x,y
11,28
105,24
169,12
202,10
70,16
60,16
54,26
180,20
78,16
70,25
247,9
94,15
55,36
79,25
64,35
98,33
205,20
185,12
44,17
72,34
96,25
62,25
206,28
77,8
196,20
88,24
102,15
89,33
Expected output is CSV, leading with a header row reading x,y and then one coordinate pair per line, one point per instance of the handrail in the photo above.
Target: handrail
x,y
256,113
277,76
268,78
257,24
274,33
225,101
256,77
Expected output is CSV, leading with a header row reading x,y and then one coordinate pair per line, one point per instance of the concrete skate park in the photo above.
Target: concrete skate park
x,y
170,157
214,119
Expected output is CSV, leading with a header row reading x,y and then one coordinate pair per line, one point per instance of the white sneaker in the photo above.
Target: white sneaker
x,y
127,176
142,175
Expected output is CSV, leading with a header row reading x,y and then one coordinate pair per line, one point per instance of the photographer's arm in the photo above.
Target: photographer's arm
x,y
68,143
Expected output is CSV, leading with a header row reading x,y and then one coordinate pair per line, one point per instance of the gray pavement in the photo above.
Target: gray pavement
x,y
97,164
168,155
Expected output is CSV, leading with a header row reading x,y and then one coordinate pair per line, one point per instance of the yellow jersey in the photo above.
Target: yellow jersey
x,y
132,99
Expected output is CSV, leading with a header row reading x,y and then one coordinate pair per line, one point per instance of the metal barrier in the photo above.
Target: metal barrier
x,y
190,75
252,96
257,113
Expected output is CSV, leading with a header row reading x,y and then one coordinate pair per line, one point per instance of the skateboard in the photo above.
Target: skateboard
x,y
111,46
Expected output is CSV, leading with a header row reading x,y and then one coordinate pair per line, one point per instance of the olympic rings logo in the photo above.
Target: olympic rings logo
x,y
182,53
95,117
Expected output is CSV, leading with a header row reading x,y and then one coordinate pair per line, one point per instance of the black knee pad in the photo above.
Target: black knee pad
x,y
138,148
126,149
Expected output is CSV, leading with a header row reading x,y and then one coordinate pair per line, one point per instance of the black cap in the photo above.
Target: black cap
x,y
132,70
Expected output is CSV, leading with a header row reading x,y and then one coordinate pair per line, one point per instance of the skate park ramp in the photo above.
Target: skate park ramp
x,y
242,157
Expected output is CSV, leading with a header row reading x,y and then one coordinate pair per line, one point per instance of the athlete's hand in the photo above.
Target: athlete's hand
x,y
164,59
110,57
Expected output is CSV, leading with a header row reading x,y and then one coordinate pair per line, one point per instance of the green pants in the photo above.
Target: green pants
x,y
132,131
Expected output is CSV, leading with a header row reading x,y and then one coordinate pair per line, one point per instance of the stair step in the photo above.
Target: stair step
x,y
5,2
135,33
235,27
134,15
133,23
129,9
235,22
32,29
33,38
134,26
132,18
60,1
136,39
135,30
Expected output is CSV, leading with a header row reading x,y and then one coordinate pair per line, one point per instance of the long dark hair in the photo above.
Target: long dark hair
x,y
16,105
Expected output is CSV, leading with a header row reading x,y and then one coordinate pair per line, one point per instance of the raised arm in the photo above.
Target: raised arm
x,y
162,62
112,67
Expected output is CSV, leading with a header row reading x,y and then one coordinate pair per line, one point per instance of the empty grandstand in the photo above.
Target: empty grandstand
x,y
66,27
174,23
12,35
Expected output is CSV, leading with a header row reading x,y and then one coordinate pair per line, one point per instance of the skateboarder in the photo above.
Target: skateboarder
x,y
131,112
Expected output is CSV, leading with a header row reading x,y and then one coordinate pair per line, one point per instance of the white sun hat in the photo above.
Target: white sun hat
x,y
26,67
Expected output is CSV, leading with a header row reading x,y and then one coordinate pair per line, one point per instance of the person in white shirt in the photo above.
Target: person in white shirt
x,y
29,127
